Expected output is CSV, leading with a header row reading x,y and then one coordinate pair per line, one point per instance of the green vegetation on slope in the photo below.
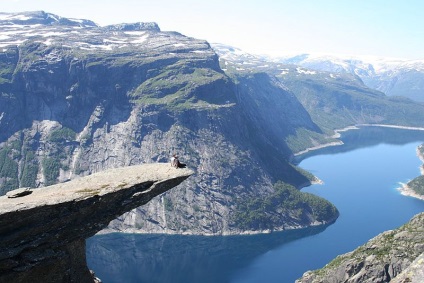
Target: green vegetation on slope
x,y
9,167
417,185
30,169
176,85
335,104
51,169
18,164
305,138
62,134
286,201
5,72
8,59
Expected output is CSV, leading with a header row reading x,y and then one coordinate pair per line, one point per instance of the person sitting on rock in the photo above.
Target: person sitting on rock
x,y
176,163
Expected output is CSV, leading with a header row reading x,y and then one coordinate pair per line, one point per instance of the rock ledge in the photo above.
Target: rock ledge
x,y
42,235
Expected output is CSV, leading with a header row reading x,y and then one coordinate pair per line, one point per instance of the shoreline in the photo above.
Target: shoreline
x,y
318,147
405,190
392,126
315,224
337,134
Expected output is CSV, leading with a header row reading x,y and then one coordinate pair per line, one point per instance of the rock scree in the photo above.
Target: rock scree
x,y
42,234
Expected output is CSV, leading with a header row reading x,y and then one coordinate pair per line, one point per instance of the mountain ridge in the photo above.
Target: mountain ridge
x,y
394,77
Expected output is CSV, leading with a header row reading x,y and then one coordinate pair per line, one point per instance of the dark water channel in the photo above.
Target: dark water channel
x,y
360,178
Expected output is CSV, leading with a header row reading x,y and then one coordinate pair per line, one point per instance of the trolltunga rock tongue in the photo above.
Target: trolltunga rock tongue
x,y
42,234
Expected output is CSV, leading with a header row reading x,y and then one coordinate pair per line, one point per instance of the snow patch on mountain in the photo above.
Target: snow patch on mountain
x,y
304,71
52,30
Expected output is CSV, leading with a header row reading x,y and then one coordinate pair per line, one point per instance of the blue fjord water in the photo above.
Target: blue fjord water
x,y
361,178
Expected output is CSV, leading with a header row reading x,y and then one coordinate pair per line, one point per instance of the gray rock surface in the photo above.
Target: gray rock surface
x,y
413,274
384,258
42,235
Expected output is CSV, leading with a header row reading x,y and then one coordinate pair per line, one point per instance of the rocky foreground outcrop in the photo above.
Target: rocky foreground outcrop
x,y
393,256
43,231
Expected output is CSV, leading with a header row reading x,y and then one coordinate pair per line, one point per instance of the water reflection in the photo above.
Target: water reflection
x,y
169,258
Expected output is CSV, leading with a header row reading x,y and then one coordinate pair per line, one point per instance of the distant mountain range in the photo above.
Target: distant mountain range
x,y
394,77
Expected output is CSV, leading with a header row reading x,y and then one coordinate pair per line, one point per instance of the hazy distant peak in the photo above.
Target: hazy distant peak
x,y
349,63
152,26
231,53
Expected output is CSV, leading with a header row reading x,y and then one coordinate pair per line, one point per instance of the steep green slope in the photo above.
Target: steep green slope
x,y
285,206
344,100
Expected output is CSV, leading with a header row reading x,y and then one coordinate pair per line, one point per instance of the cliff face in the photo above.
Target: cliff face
x,y
42,234
393,256
78,99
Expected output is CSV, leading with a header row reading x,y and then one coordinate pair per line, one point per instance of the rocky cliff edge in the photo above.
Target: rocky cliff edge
x,y
393,256
43,232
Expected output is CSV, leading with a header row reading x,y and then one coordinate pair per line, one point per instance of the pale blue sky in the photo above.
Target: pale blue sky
x,y
384,28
